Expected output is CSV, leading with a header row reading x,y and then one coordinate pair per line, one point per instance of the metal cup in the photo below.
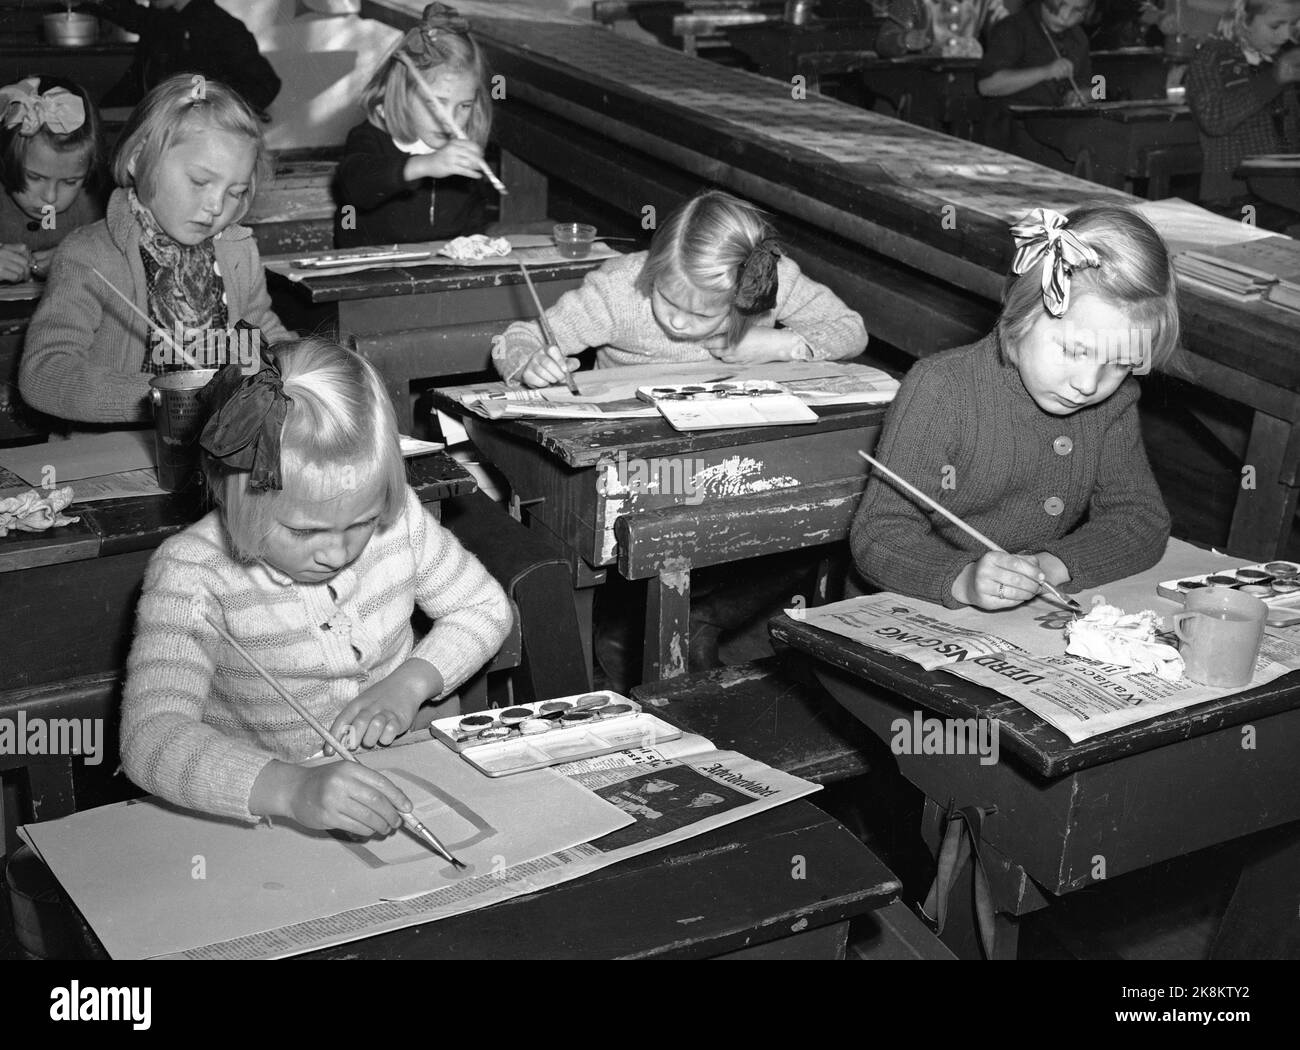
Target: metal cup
x,y
177,415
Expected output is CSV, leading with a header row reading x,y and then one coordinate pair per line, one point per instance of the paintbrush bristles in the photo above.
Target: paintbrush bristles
x,y
444,118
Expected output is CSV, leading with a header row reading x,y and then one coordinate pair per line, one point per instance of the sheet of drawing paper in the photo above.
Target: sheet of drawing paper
x,y
85,456
618,384
152,879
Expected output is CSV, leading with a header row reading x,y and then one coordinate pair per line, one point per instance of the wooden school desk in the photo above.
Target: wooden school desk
x,y
421,322
18,422
1134,797
926,216
774,489
69,606
1117,143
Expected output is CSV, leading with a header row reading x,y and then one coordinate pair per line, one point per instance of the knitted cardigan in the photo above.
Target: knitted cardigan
x,y
85,348
1233,104
198,725
964,430
609,311
16,227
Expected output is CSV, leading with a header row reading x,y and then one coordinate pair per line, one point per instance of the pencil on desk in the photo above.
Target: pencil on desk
x,y
446,119
409,819
970,530
547,334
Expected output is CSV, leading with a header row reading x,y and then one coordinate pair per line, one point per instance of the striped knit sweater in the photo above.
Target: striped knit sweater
x,y
964,430
198,725
609,311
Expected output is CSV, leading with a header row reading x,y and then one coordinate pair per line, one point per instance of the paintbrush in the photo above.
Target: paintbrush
x,y
1077,93
970,530
412,823
157,330
547,334
446,119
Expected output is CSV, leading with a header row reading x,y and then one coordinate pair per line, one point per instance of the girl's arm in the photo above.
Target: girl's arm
x,y
829,328
1221,100
59,374
166,747
893,541
257,310
470,612
581,318
370,172
1127,528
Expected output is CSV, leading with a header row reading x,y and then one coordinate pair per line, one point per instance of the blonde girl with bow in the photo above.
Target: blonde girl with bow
x,y
1031,435
50,163
315,558
714,284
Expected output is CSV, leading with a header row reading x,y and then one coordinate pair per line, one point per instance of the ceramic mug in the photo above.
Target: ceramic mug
x,y
1220,632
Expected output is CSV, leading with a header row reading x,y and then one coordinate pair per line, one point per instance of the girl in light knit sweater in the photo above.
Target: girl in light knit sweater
x,y
1031,435
188,166
314,561
714,284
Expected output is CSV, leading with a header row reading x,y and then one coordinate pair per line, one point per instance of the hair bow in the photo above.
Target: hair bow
x,y
756,290
438,17
1043,238
246,418
58,109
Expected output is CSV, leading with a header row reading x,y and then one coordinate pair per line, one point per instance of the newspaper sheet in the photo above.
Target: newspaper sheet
x,y
1020,653
674,791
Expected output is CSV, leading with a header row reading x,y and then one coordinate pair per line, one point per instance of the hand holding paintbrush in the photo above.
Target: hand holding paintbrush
x,y
445,118
552,349
412,824
974,533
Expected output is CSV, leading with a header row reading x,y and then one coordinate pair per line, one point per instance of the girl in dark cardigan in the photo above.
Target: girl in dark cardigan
x,y
403,178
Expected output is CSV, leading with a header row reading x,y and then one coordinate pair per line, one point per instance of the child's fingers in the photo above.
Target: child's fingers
x,y
546,368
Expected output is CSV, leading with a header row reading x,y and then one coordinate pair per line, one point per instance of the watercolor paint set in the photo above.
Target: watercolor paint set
x,y
1275,583
717,405
532,736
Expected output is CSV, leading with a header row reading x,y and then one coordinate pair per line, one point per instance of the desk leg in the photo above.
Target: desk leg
x,y
526,200
667,623
1263,516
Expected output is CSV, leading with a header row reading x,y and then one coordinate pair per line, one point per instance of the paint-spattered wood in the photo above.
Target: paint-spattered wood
x,y
1067,812
771,710
728,890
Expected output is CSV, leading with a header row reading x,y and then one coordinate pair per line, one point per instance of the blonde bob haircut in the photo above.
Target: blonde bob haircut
x,y
391,100
181,106
1232,26
339,434
705,244
1135,276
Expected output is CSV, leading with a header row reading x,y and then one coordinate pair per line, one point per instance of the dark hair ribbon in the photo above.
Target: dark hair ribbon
x,y
246,417
757,287
436,18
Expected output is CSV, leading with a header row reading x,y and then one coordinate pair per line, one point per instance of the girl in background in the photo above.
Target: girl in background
x,y
403,176
50,167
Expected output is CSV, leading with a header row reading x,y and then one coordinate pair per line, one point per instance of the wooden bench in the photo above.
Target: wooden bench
x,y
774,711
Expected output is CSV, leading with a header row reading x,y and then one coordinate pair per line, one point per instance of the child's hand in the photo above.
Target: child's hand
x,y
15,262
40,268
386,709
458,157
1287,67
347,796
760,345
1061,69
547,367
998,581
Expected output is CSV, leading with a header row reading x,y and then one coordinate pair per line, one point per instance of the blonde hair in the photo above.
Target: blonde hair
x,y
391,89
1135,276
705,243
339,435
169,115
1232,26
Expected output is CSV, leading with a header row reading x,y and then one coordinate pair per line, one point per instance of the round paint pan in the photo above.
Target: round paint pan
x,y
554,708
495,733
591,702
512,716
534,726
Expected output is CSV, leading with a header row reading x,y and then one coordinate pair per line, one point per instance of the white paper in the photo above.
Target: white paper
x,y
82,456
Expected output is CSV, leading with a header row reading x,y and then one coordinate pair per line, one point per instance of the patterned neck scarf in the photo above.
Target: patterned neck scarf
x,y
184,285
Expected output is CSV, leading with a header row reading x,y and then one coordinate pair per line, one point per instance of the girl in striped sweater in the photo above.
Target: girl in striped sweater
x,y
315,558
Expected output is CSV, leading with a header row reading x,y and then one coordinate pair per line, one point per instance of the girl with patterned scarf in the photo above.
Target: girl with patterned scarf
x,y
187,167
